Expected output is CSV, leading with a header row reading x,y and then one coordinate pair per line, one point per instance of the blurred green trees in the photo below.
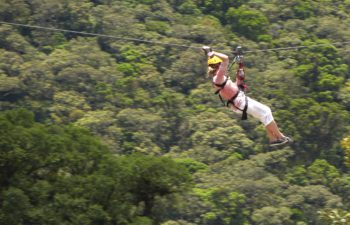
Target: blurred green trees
x,y
113,128
56,174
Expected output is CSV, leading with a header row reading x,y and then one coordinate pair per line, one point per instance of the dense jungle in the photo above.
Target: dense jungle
x,y
117,122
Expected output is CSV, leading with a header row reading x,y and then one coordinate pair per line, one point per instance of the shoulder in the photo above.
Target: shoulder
x,y
217,80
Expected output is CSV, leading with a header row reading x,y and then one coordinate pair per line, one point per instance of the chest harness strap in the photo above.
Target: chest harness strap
x,y
231,100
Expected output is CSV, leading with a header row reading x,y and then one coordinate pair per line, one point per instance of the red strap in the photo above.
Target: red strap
x,y
240,75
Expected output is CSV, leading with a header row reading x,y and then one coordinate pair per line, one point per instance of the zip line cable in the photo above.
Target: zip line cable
x,y
164,43
97,35
297,47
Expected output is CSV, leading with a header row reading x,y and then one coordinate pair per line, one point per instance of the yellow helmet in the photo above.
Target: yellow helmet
x,y
214,60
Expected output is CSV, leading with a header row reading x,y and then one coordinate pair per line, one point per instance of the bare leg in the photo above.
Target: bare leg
x,y
270,136
273,132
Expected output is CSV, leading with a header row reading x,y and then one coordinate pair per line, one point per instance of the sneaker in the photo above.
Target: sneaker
x,y
280,142
290,140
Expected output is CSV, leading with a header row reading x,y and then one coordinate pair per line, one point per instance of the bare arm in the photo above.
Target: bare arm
x,y
220,74
220,55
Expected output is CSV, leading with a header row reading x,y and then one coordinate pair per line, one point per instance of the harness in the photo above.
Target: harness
x,y
231,100
242,87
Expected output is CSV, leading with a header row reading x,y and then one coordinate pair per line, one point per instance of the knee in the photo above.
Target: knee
x,y
267,117
267,110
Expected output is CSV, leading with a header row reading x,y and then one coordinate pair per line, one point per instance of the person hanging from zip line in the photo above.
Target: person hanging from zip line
x,y
234,94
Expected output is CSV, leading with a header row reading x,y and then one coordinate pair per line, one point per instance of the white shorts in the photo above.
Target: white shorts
x,y
255,109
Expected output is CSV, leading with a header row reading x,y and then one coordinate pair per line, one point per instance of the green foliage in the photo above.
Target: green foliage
x,y
157,26
218,8
142,220
188,7
321,172
53,174
344,95
272,216
346,146
342,187
192,165
9,84
15,203
248,22
303,9
14,10
319,119
322,70
225,207
155,99
142,130
335,217
297,176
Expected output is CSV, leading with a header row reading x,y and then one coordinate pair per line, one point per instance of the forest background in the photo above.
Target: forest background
x,y
97,130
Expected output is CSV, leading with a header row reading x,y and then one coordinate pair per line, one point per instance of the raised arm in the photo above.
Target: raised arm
x,y
220,55
220,74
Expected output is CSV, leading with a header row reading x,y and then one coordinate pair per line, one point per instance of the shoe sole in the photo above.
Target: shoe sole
x,y
279,144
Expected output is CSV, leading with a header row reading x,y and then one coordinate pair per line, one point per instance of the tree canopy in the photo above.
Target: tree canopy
x,y
101,130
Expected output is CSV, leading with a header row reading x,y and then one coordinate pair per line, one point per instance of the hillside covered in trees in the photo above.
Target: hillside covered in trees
x,y
124,129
